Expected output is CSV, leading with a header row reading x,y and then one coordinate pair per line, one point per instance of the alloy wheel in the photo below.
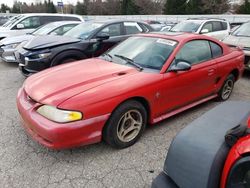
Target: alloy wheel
x,y
129,125
227,89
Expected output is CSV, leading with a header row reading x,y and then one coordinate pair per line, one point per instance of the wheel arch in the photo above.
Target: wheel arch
x,y
236,73
71,53
141,100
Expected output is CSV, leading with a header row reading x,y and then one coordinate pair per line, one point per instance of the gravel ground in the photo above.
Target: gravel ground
x,y
24,163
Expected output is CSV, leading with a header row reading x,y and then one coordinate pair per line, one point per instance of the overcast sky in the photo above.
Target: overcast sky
x,y
10,2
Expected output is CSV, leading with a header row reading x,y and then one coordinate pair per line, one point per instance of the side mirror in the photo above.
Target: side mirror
x,y
20,26
180,66
203,31
102,36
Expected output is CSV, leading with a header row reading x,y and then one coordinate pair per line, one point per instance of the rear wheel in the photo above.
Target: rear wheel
x,y
227,88
125,125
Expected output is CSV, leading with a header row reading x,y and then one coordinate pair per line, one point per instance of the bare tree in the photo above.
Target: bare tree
x,y
150,7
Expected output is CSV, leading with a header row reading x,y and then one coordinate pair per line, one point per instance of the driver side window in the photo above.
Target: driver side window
x,y
208,26
194,52
31,22
111,30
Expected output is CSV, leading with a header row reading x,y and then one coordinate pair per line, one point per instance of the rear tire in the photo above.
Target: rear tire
x,y
125,125
227,88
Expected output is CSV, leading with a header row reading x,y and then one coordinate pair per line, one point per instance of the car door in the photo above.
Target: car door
x,y
182,88
29,24
116,35
218,31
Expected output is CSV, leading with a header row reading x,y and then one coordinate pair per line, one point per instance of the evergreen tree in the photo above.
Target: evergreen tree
x,y
16,7
81,8
194,7
4,8
245,8
175,7
129,7
51,7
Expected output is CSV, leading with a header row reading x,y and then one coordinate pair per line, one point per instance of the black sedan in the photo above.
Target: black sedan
x,y
89,39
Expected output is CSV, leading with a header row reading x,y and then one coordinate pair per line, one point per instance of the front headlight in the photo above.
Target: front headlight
x,y
9,46
39,56
57,115
44,55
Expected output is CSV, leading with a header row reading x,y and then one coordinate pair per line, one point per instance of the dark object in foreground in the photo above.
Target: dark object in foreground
x,y
202,155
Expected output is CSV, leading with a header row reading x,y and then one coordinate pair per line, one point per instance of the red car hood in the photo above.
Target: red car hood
x,y
55,85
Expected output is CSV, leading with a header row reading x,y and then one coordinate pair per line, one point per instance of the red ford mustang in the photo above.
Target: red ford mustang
x,y
145,79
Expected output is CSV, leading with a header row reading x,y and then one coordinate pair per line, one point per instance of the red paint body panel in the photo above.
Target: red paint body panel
x,y
55,135
96,87
241,148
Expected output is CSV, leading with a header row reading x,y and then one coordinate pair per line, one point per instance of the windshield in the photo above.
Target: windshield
x,y
12,21
186,26
243,30
83,31
44,30
147,52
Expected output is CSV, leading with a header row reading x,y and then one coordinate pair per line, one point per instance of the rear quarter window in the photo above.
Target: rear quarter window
x,y
132,28
216,49
224,25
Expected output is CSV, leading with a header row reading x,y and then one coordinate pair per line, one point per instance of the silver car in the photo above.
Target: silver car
x,y
10,45
241,38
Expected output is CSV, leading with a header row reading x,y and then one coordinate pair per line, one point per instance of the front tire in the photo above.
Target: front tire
x,y
125,125
227,88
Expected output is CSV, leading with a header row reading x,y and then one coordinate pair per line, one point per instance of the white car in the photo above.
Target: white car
x,y
9,45
216,28
240,37
27,23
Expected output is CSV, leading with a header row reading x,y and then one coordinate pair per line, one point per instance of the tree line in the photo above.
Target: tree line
x,y
131,7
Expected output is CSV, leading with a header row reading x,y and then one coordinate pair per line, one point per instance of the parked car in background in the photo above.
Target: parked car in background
x,y
216,28
145,79
9,45
26,23
5,18
241,38
168,27
156,25
89,39
235,24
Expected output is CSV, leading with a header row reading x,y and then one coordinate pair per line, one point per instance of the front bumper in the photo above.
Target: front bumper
x,y
57,135
8,55
30,66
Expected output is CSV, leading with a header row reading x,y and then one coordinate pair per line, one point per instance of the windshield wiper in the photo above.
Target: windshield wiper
x,y
130,61
107,54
